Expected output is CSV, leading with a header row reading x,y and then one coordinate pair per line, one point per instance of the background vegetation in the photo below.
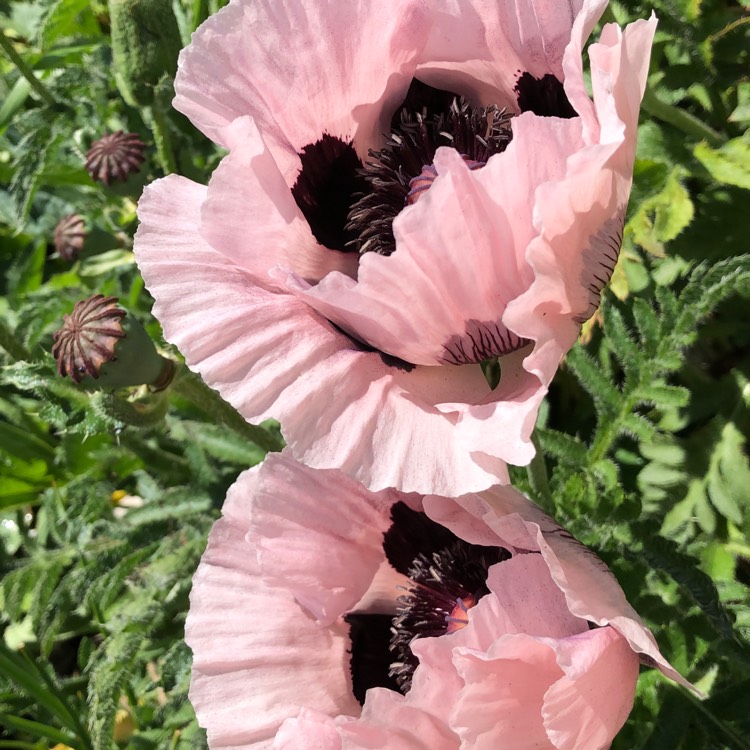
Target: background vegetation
x,y
644,432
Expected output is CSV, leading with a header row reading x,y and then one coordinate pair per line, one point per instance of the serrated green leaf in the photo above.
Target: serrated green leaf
x,y
562,446
66,18
623,344
591,377
649,325
662,395
664,554
729,164
662,217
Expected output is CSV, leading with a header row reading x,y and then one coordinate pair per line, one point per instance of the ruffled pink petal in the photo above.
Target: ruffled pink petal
x,y
504,516
319,535
270,355
581,216
245,635
592,593
586,708
528,600
502,699
389,721
460,258
250,215
480,47
308,731
300,69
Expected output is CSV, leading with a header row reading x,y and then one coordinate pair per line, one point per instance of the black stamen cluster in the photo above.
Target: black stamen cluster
x,y
476,133
441,581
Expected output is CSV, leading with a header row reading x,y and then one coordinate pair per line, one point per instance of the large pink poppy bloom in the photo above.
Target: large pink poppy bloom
x,y
507,633
356,304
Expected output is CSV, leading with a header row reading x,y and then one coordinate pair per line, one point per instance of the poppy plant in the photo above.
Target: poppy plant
x,y
323,615
411,196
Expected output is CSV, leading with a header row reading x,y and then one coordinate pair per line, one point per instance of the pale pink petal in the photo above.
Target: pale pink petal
x,y
528,600
501,702
497,516
251,217
308,731
523,599
388,721
586,708
301,69
591,590
480,47
581,217
246,635
460,256
270,355
319,535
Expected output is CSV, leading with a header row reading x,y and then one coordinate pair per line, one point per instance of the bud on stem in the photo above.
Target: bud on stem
x,y
101,346
145,44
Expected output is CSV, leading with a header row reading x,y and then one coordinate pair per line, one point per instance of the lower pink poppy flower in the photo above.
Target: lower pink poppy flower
x,y
408,194
325,616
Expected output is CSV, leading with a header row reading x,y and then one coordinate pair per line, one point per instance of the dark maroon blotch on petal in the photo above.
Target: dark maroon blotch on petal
x,y
371,657
544,96
326,188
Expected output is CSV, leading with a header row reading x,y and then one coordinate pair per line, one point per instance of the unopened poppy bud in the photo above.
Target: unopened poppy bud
x,y
145,44
70,234
114,156
100,345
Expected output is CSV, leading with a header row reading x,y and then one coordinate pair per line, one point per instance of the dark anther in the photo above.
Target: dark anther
x,y
543,96
325,189
448,574
440,119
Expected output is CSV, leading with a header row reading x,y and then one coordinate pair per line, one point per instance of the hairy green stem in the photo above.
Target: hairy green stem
x,y
25,70
738,742
10,343
680,119
157,121
207,400
537,474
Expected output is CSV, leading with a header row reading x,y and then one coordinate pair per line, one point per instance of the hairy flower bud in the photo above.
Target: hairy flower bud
x,y
115,156
100,342
70,234
145,44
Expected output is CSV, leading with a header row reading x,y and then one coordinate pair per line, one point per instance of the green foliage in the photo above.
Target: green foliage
x,y
106,499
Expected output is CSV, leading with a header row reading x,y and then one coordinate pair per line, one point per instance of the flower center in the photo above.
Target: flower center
x,y
351,207
447,578
402,170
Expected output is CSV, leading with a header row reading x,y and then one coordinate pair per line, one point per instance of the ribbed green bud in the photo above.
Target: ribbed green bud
x,y
101,346
145,44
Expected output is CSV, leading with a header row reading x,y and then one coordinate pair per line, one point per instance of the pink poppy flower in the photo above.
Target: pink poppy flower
x,y
324,614
351,284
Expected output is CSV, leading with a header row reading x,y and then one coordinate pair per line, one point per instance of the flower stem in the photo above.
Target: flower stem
x,y
192,388
10,343
737,742
157,121
537,474
680,118
25,70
